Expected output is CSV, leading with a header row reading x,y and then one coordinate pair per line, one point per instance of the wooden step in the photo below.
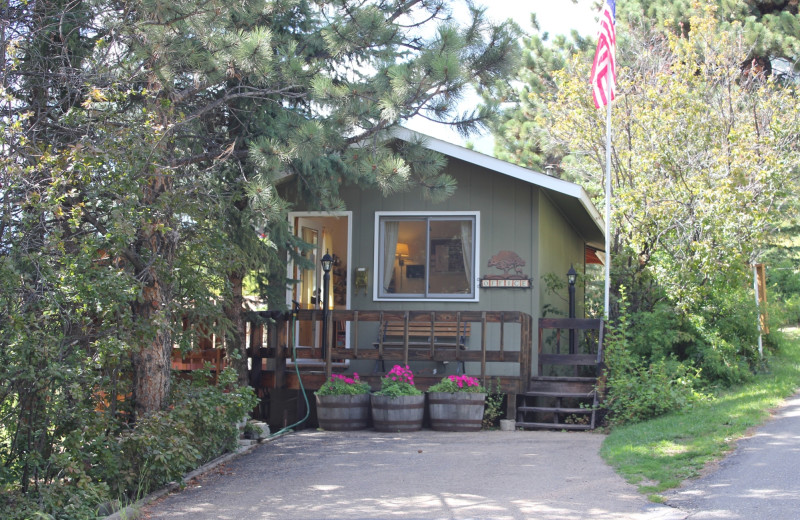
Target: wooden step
x,y
553,409
562,384
565,379
576,395
552,426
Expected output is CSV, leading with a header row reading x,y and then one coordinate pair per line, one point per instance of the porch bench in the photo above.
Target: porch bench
x,y
423,335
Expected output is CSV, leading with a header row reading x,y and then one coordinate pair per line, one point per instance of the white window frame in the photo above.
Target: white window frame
x,y
377,264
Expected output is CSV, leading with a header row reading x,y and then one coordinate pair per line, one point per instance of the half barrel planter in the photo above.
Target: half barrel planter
x,y
456,411
343,412
398,414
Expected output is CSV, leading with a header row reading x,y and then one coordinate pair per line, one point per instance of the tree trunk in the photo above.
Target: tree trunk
x,y
235,344
155,247
151,362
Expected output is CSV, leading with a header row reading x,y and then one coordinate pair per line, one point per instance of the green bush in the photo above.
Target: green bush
x,y
101,461
493,407
637,389
720,339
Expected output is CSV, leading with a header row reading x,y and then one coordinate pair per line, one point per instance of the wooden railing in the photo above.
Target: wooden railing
x,y
496,337
591,330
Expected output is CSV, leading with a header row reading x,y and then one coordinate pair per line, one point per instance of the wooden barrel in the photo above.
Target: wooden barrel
x,y
457,411
343,412
398,414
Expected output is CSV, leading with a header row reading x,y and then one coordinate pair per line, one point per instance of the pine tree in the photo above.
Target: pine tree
x,y
187,112
772,27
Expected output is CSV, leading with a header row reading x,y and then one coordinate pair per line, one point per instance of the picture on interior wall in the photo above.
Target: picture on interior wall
x,y
448,256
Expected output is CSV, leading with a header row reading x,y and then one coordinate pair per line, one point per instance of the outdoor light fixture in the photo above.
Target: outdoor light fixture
x,y
327,262
572,275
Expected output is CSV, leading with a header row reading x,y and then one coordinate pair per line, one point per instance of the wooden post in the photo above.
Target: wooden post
x,y
381,333
405,338
458,350
328,328
483,346
502,334
432,338
256,342
278,340
354,330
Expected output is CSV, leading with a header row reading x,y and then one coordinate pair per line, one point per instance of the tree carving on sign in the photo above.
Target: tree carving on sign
x,y
506,261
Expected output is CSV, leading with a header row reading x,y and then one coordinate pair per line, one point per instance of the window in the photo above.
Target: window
x,y
428,256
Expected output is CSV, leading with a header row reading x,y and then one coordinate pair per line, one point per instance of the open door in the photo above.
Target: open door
x,y
327,233
309,290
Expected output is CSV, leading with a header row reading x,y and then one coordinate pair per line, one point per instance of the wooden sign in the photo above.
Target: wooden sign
x,y
493,282
511,264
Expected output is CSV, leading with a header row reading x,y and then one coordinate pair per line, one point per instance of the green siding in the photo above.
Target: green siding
x,y
560,248
514,215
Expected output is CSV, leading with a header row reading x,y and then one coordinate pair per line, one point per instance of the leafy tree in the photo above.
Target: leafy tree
x,y
703,161
703,172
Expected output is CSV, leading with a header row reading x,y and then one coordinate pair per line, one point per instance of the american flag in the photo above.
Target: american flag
x,y
603,68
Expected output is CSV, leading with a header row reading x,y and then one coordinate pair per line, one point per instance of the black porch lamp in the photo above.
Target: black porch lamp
x,y
327,262
572,276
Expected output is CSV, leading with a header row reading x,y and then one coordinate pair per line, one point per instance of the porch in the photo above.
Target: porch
x,y
498,349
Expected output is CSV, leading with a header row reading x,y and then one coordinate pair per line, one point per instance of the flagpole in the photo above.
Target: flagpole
x,y
603,73
608,200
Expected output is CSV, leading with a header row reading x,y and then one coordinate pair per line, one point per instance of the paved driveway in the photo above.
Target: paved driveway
x,y
422,475
758,481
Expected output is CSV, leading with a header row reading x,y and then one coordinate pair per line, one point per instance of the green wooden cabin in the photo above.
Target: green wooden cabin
x,y
485,249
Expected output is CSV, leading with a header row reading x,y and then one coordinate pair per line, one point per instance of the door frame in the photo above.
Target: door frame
x,y
348,215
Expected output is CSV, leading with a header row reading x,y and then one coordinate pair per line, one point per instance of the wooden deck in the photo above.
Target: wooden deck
x,y
272,357
500,338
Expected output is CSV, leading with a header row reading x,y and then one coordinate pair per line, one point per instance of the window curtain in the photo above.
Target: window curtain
x,y
390,231
466,250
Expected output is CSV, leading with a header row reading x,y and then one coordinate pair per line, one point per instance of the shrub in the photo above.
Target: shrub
x,y
493,406
637,390
98,463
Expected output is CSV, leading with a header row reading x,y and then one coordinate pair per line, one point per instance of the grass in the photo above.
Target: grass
x,y
661,453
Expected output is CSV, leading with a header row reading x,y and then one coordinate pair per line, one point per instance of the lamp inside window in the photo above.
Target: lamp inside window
x,y
402,253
